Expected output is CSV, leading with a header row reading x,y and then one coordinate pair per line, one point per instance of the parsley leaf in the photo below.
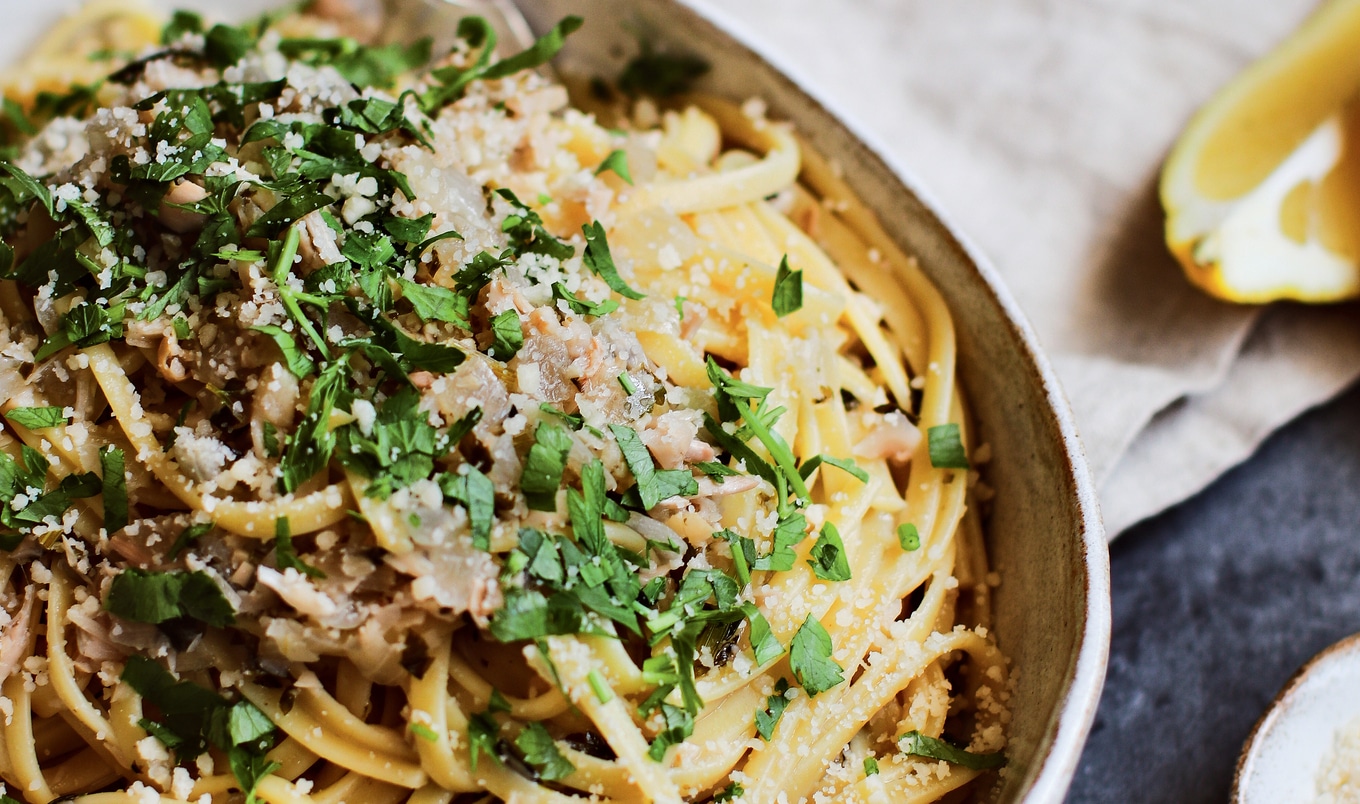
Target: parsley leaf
x,y
433,303
828,556
789,531
285,557
483,737
768,718
600,262
25,188
679,726
149,596
653,485
509,335
540,751
844,464
810,658
478,33
311,445
660,74
181,22
946,447
194,718
918,744
763,641
543,467
525,230
299,364
580,306
364,66
730,793
788,290
476,493
112,467
188,536
37,418
870,766
617,161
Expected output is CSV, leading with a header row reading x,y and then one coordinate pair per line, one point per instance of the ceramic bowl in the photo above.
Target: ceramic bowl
x,y
1044,534
1290,747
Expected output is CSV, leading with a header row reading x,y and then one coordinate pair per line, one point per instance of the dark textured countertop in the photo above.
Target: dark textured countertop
x,y
1216,603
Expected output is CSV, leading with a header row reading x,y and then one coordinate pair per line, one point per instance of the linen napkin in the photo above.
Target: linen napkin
x,y
1040,126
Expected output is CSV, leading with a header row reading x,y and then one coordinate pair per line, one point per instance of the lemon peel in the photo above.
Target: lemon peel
x,y
1262,190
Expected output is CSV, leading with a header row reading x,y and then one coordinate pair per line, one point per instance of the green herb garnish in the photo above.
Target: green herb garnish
x,y
788,290
810,658
946,447
918,744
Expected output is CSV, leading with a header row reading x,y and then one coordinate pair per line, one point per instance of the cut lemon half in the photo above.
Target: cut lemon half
x,y
1262,190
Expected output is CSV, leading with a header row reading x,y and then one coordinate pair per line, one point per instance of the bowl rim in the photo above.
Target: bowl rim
x,y
1346,647
1055,762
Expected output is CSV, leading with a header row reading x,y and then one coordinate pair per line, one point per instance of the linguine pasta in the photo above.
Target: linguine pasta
x,y
382,432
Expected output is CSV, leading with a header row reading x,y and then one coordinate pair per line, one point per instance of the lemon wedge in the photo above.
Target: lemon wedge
x,y
1262,190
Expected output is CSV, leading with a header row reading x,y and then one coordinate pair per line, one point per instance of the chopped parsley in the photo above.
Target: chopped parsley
x,y
509,336
946,447
285,556
844,464
768,718
730,793
541,753
193,718
652,485
424,732
294,357
870,766
37,418
475,492
660,75
150,596
828,556
788,290
810,659
789,531
918,744
188,536
908,537
542,475
600,261
617,162
112,466
581,306
483,737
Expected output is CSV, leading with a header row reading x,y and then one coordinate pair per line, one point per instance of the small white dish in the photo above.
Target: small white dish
x,y
1295,742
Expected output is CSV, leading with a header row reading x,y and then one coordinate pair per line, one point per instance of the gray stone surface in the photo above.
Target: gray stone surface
x,y
1216,604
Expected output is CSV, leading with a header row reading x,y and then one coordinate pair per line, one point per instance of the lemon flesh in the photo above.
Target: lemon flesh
x,y
1262,190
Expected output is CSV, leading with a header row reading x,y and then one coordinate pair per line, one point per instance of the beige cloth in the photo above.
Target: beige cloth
x,y
1040,126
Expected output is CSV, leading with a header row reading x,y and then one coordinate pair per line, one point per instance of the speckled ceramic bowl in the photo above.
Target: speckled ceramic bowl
x,y
1289,749
1044,535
